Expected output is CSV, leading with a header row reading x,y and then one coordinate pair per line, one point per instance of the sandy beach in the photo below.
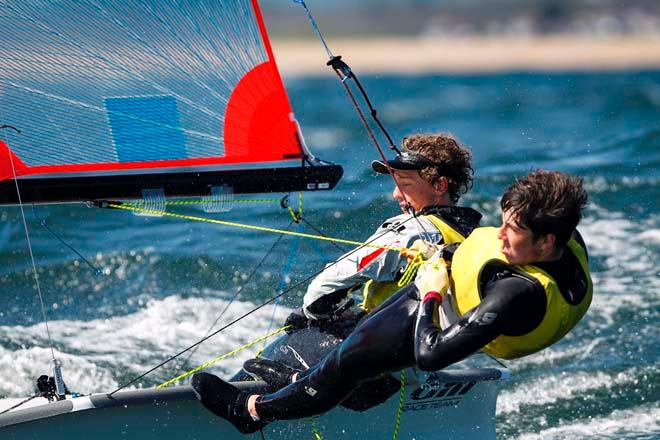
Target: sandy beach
x,y
470,55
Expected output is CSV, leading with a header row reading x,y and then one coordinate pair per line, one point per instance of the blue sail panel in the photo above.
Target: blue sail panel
x,y
146,128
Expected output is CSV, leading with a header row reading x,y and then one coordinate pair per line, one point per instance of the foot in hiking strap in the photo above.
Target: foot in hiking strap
x,y
226,401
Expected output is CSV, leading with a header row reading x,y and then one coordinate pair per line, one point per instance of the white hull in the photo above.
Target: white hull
x,y
449,405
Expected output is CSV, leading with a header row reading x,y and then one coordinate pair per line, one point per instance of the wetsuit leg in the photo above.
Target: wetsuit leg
x,y
381,343
372,393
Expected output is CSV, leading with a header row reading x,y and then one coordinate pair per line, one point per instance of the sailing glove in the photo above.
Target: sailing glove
x,y
432,277
297,321
420,246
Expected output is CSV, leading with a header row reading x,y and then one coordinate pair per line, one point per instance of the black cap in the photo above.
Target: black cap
x,y
407,160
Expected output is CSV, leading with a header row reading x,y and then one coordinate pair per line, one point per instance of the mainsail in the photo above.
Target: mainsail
x,y
107,99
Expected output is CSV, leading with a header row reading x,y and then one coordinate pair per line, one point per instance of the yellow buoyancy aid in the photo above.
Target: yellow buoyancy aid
x,y
376,292
483,247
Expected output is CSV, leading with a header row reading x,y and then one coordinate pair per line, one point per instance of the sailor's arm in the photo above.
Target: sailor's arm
x,y
511,306
328,292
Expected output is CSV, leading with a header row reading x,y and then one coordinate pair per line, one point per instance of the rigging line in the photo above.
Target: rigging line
x,y
120,205
11,127
245,315
42,222
502,364
318,231
344,72
338,65
285,272
399,409
34,264
238,292
217,359
21,403
202,202
315,26
411,211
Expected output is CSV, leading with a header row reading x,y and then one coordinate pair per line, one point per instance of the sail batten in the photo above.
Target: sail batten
x,y
107,87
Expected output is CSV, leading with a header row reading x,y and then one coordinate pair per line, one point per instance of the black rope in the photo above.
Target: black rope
x,y
502,364
245,315
340,72
344,72
21,403
231,301
339,65
365,123
11,127
341,249
43,223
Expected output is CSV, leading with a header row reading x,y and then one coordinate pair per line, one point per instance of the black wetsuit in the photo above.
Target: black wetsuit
x,y
401,334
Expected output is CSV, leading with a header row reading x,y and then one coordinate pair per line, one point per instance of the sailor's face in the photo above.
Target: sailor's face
x,y
413,189
518,243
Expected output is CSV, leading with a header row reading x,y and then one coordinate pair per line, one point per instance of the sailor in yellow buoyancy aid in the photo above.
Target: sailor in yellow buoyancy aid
x,y
519,288
563,290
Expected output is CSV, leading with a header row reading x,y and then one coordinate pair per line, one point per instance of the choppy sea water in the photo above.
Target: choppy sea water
x,y
164,282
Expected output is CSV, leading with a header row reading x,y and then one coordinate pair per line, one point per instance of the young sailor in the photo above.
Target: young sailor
x,y
431,173
515,290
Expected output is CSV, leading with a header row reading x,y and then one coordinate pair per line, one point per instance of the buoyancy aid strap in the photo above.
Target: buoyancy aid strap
x,y
449,233
375,292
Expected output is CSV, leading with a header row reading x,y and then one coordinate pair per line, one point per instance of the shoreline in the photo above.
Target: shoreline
x,y
426,55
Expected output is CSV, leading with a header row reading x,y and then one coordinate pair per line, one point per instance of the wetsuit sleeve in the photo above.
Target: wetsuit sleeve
x,y
329,291
511,306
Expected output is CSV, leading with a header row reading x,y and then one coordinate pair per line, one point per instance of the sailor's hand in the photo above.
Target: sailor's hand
x,y
419,247
296,321
432,277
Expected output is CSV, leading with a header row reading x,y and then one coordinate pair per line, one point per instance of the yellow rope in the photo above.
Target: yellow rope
x,y
296,216
399,410
202,202
251,227
411,270
315,429
221,357
293,214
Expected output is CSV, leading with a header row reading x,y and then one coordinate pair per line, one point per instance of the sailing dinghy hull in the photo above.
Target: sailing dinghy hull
x,y
457,404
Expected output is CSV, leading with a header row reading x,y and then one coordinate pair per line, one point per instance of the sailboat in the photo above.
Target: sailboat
x,y
103,100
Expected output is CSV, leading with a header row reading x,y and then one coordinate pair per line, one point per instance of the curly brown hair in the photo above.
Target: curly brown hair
x,y
547,202
443,148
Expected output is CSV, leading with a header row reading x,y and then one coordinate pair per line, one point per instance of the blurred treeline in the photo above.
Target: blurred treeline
x,y
451,18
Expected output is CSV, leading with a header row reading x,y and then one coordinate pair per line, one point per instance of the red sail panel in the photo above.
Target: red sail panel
x,y
9,163
259,115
